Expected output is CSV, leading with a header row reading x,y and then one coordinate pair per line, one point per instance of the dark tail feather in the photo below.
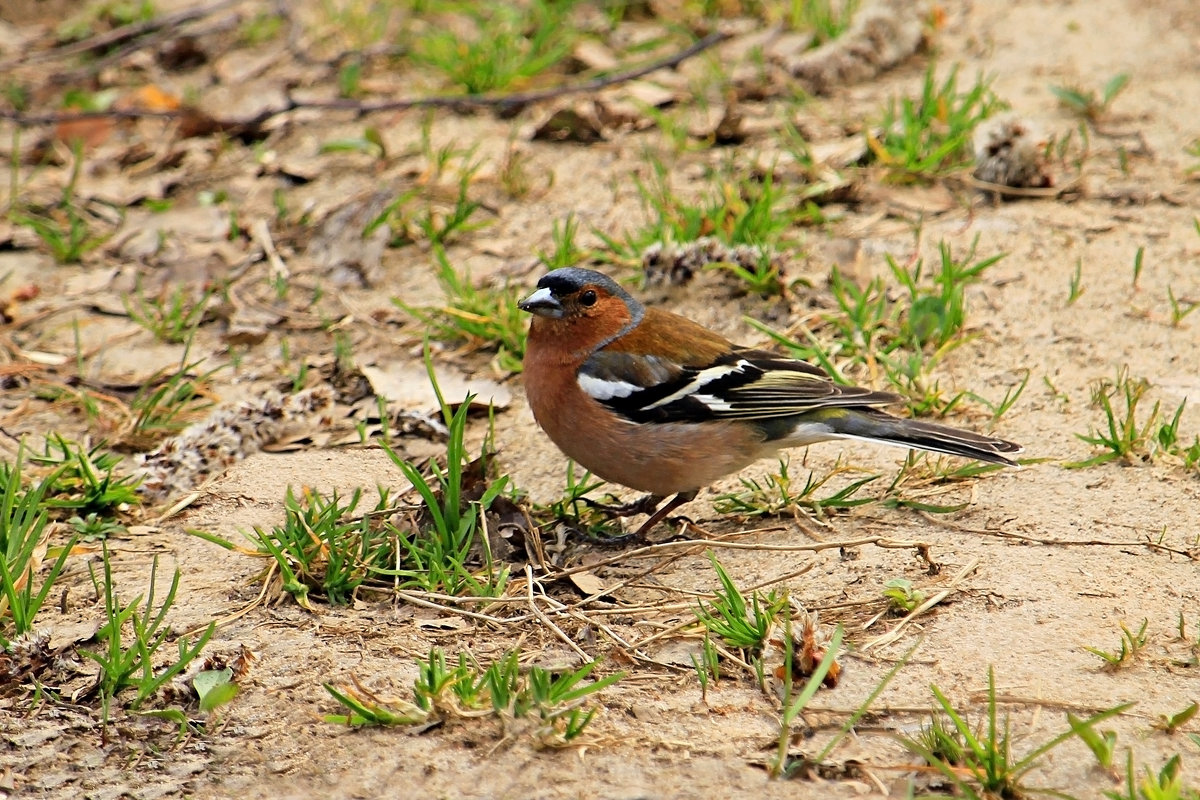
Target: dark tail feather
x,y
874,425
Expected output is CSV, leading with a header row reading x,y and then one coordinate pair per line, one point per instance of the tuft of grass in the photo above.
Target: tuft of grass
x,y
1103,744
66,229
774,494
1088,103
1124,436
1180,307
429,212
573,509
479,318
1075,290
940,739
937,314
515,178
736,211
827,20
259,29
435,222
435,558
904,336
167,402
928,137
978,760
762,277
23,520
566,253
324,547
918,478
556,699
505,45
369,143
1171,723
921,477
707,666
1011,395
737,623
1165,784
1129,647
1193,150
1139,263
85,480
171,317
130,664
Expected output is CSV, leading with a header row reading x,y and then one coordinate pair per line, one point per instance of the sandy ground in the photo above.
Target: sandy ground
x,y
1061,557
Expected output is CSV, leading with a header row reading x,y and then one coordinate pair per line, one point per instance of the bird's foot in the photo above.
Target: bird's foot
x,y
643,505
650,504
660,514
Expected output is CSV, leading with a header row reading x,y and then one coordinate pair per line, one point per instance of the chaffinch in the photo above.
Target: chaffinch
x,y
656,402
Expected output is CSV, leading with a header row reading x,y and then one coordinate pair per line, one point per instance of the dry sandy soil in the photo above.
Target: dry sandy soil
x,y
1061,557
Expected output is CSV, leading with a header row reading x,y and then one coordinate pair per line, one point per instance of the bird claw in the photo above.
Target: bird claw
x,y
643,505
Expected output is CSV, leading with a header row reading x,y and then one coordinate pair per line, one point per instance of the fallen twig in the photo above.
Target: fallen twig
x,y
504,102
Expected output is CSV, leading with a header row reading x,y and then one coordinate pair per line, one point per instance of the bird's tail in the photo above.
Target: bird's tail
x,y
872,425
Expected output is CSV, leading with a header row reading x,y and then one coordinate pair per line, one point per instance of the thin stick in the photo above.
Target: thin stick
x,y
120,34
894,634
1020,537
502,101
418,601
545,620
654,549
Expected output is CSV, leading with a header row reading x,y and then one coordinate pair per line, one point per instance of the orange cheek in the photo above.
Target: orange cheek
x,y
600,322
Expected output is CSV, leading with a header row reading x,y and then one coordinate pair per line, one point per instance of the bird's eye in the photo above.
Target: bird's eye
x,y
588,298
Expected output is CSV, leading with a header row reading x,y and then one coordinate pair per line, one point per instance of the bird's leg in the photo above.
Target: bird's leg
x,y
661,514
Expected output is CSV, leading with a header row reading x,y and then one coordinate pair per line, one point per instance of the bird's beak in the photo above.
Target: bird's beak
x,y
543,303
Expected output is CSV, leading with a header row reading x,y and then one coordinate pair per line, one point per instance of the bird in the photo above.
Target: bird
x,y
654,401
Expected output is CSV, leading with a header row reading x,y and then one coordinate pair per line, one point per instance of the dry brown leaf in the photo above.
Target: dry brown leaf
x,y
340,250
91,132
588,583
406,385
577,123
593,54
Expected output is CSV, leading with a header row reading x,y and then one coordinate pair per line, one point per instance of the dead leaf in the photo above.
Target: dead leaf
x,y
840,153
577,123
406,385
593,54
626,105
89,282
241,65
649,94
677,652
340,249
239,108
588,583
91,132
724,125
182,53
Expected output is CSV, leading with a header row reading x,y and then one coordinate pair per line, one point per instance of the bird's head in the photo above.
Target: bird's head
x,y
574,292
590,305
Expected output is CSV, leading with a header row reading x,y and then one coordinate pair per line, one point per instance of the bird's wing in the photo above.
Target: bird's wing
x,y
741,384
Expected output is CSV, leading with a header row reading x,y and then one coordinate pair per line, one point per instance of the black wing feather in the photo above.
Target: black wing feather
x,y
744,384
